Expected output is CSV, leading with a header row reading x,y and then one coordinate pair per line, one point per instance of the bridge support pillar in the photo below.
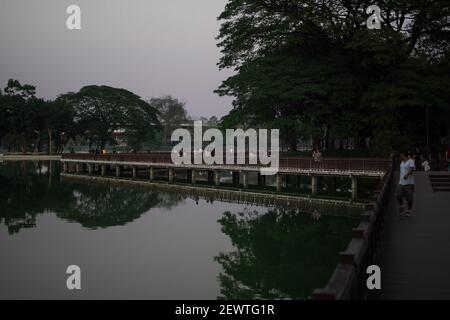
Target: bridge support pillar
x,y
193,176
89,167
278,184
134,172
314,185
118,169
245,179
151,174
217,178
171,174
354,188
103,170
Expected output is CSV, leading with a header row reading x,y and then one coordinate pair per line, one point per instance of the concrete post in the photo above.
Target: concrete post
x,y
278,182
314,185
65,167
118,171
151,174
194,176
134,171
89,169
354,188
245,179
171,174
77,168
103,170
217,178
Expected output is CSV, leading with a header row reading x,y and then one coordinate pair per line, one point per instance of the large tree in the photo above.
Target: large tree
x,y
313,67
18,112
28,121
172,113
102,110
55,119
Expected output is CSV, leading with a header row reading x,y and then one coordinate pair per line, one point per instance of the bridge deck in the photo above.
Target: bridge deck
x,y
415,251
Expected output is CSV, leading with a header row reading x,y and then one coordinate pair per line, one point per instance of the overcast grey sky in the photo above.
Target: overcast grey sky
x,y
150,47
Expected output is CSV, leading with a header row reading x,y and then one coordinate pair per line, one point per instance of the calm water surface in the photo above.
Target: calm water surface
x,y
135,243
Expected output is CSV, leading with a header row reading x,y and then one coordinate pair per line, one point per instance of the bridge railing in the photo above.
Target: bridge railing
x,y
289,163
348,279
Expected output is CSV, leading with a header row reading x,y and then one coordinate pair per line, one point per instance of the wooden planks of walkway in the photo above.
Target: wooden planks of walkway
x,y
415,252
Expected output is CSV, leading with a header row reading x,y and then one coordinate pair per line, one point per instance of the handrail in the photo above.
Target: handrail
x,y
298,163
347,280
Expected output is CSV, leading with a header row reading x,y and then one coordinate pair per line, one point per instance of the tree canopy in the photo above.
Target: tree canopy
x,y
171,113
97,114
99,111
313,68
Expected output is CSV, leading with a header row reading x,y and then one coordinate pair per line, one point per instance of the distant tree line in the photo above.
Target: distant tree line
x,y
95,113
314,69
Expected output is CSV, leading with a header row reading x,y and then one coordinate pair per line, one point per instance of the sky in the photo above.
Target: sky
x,y
150,47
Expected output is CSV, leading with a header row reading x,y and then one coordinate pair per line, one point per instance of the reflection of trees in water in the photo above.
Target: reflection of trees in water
x,y
101,206
94,206
167,200
28,189
280,254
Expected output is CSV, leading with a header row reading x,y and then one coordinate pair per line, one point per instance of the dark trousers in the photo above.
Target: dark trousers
x,y
407,192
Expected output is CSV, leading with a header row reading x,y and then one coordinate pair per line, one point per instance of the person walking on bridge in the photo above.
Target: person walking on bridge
x,y
405,188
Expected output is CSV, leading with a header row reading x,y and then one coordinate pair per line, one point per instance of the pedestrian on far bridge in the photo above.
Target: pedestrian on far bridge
x,y
405,188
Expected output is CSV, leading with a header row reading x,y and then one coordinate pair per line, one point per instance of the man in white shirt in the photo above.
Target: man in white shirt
x,y
405,187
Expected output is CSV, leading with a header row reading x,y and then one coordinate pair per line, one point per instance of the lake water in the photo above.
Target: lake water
x,y
132,243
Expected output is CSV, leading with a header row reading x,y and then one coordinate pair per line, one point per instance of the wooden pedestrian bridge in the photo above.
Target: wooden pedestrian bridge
x,y
204,181
159,166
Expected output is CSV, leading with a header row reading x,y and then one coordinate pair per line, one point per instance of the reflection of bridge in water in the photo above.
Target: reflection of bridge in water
x,y
204,192
150,167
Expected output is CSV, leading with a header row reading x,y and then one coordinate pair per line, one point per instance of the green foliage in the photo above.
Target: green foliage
x,y
99,111
28,189
94,113
279,254
313,68
171,114
18,111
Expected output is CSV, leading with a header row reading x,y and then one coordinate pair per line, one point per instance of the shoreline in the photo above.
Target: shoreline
x,y
29,157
